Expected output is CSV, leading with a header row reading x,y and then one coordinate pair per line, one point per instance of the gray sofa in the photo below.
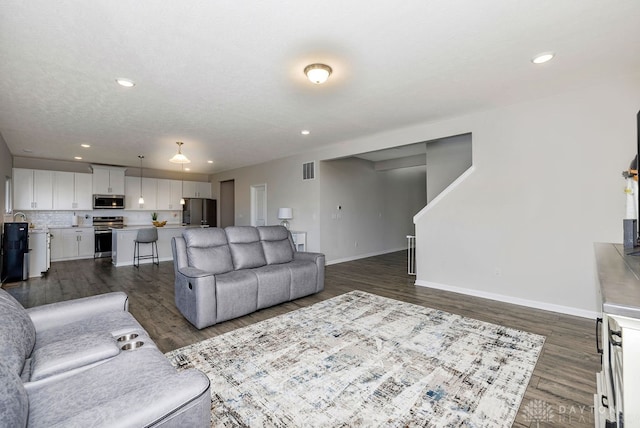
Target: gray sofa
x,y
62,365
222,274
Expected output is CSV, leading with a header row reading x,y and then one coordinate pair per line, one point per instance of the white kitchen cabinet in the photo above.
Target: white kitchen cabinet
x,y
132,193
72,243
32,189
108,180
169,194
197,189
72,191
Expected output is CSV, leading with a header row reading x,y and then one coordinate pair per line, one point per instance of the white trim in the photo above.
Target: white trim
x,y
583,313
363,256
444,193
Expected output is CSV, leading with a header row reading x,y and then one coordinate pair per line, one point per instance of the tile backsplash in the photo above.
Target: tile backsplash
x,y
65,218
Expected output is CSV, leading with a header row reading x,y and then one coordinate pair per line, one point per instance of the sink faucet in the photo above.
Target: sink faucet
x,y
24,216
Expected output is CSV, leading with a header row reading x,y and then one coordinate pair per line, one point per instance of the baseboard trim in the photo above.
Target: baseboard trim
x,y
363,256
567,310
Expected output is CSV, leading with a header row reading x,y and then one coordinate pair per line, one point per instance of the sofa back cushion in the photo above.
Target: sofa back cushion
x,y
208,250
245,246
276,244
17,333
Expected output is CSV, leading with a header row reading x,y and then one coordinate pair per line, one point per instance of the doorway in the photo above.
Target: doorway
x,y
259,205
227,203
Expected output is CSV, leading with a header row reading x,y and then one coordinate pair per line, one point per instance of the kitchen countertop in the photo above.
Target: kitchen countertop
x,y
146,226
619,276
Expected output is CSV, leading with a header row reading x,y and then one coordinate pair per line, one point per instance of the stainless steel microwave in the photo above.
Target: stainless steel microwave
x,y
108,201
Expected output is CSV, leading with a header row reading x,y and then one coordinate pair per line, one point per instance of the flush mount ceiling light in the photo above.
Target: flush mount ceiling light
x,y
127,83
86,146
179,157
305,132
543,57
317,73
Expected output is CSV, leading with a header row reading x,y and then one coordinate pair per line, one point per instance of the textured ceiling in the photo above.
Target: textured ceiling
x,y
226,77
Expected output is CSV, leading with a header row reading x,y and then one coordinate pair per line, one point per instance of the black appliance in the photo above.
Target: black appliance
x,y
15,252
108,202
103,227
199,212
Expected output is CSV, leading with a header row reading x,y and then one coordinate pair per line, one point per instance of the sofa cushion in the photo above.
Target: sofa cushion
x,y
236,294
72,353
14,403
17,333
273,285
276,244
207,249
245,246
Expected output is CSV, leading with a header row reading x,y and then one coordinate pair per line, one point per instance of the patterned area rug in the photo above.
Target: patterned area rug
x,y
361,360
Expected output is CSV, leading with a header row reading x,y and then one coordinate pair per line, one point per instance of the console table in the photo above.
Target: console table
x,y
618,341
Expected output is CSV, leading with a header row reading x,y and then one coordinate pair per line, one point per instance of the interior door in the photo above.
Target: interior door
x,y
227,203
259,205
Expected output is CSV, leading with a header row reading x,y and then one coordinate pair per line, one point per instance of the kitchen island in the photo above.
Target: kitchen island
x,y
123,243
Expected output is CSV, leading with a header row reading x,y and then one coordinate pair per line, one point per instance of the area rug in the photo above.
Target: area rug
x,y
361,360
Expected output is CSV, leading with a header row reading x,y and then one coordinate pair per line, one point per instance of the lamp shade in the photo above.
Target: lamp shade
x,y
285,213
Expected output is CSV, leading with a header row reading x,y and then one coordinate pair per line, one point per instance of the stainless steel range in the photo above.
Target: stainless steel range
x,y
103,227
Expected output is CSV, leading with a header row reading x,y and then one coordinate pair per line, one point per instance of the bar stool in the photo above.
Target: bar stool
x,y
146,236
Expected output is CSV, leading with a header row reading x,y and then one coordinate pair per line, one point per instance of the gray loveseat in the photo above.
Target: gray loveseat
x,y
62,365
226,273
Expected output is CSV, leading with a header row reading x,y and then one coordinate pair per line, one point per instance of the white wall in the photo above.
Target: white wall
x,y
285,188
546,185
376,207
446,160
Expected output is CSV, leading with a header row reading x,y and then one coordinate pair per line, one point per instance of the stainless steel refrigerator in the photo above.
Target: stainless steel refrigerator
x,y
199,212
15,252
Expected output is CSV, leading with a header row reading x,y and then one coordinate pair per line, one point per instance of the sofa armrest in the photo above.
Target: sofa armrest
x,y
61,313
309,256
191,272
319,260
183,399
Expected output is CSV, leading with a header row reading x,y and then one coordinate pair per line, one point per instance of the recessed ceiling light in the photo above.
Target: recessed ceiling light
x,y
78,157
86,146
27,150
543,57
209,161
305,132
127,83
187,169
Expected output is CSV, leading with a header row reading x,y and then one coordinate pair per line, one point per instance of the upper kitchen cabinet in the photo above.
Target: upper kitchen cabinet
x,y
197,189
72,191
108,180
32,189
169,194
133,187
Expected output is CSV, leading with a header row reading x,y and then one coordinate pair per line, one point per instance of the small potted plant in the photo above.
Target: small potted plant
x,y
154,220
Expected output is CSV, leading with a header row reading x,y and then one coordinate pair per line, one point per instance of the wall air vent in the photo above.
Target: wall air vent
x,y
308,171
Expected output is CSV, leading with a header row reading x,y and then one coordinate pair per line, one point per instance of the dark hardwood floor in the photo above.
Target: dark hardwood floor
x,y
563,381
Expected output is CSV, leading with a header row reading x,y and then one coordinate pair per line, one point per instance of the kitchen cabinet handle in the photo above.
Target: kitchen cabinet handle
x,y
598,346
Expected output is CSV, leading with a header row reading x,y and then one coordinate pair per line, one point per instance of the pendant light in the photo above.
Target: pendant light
x,y
141,199
179,157
182,202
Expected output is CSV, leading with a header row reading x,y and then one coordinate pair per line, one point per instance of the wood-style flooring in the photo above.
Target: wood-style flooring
x,y
563,382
